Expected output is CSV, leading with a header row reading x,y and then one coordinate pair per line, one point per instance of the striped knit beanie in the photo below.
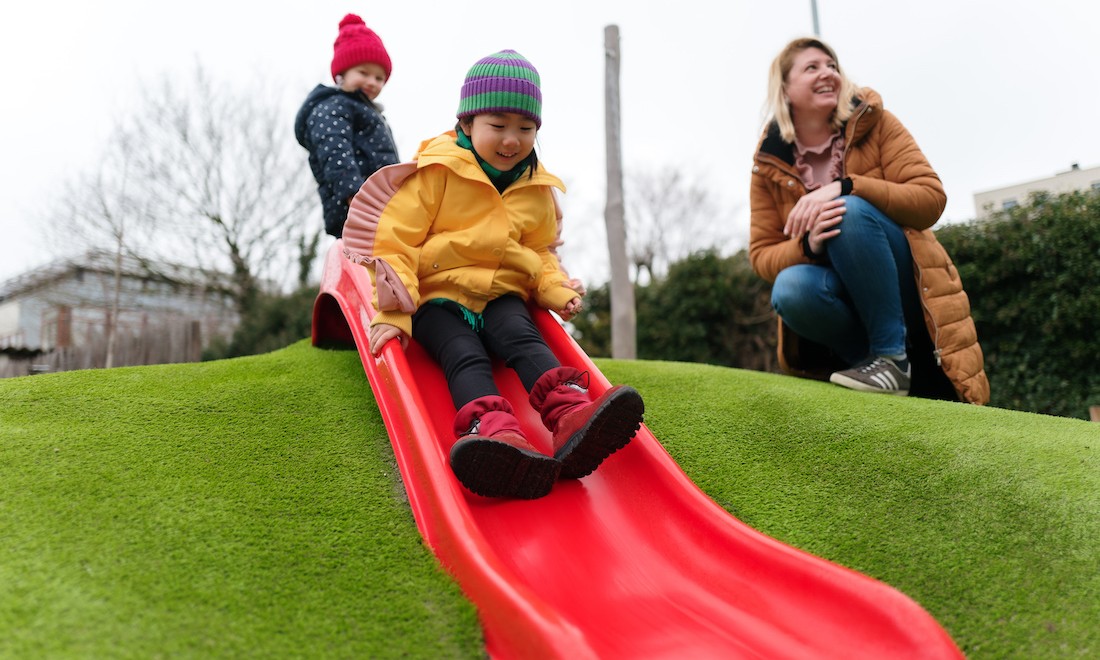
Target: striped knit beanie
x,y
502,82
358,44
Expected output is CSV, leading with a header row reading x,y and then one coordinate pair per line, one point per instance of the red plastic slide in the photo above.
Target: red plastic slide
x,y
633,561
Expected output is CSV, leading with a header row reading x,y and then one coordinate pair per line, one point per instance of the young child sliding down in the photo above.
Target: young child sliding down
x,y
457,242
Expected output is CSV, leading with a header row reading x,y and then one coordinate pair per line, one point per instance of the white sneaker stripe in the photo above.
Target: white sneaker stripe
x,y
880,375
885,380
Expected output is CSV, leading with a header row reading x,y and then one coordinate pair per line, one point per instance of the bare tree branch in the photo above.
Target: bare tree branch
x,y
208,176
670,217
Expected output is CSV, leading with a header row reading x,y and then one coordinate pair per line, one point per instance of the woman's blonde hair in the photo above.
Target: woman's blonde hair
x,y
777,104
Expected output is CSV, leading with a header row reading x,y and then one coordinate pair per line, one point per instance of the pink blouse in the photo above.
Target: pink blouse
x,y
821,164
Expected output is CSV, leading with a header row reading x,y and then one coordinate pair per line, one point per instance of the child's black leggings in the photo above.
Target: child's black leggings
x,y
509,333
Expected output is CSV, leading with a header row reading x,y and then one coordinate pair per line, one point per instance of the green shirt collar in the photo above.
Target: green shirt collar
x,y
500,180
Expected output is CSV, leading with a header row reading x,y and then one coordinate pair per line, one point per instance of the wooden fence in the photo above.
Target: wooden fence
x,y
180,342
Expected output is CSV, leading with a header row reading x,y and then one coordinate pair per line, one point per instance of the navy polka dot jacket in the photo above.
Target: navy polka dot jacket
x,y
348,139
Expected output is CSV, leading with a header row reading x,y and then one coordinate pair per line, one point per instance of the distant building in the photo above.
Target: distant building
x,y
1001,199
57,318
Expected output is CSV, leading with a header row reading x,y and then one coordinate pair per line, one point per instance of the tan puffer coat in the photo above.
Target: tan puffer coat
x,y
887,169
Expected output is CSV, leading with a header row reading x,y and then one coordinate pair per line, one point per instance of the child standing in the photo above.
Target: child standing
x,y
457,242
342,127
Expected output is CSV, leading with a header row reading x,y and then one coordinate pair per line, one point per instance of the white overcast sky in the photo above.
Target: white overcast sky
x,y
995,91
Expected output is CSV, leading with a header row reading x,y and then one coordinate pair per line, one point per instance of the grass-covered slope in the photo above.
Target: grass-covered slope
x,y
251,508
239,509
989,518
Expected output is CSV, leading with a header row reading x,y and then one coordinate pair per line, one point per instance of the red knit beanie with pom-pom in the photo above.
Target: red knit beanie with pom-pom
x,y
358,44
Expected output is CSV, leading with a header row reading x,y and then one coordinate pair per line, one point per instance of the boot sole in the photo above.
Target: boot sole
x,y
610,428
496,469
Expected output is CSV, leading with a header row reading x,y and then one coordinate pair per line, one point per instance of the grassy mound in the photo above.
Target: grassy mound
x,y
252,508
243,508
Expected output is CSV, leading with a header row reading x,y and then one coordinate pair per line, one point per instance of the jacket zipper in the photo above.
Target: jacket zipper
x,y
848,142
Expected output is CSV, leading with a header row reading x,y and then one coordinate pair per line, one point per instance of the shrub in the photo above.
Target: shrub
x,y
1033,277
273,322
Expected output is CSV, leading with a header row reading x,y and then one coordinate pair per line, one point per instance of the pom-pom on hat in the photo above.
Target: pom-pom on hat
x,y
502,82
358,44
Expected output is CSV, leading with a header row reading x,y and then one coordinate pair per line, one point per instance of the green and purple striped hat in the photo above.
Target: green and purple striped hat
x,y
502,82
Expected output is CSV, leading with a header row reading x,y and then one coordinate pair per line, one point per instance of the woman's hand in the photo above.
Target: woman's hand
x,y
571,309
382,333
810,207
823,230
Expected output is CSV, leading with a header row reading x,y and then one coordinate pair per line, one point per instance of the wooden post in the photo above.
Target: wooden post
x,y
623,321
1094,413
194,342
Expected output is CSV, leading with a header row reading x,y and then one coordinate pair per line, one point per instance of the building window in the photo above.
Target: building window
x,y
1009,203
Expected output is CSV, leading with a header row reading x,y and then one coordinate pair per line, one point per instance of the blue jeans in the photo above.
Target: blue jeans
x,y
858,304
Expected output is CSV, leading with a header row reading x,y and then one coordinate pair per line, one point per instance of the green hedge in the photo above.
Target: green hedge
x,y
1033,277
707,308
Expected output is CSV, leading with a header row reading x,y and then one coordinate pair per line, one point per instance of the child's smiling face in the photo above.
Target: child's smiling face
x,y
369,78
502,139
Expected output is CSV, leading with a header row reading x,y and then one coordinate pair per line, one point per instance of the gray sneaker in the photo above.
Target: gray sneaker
x,y
878,375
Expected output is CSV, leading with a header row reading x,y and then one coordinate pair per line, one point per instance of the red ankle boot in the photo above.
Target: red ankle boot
x,y
585,431
493,459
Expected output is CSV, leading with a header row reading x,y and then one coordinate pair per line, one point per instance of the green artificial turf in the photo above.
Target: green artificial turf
x,y
251,508
246,508
988,518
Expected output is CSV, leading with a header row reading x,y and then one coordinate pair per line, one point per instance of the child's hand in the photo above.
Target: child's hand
x,y
576,285
571,309
382,333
